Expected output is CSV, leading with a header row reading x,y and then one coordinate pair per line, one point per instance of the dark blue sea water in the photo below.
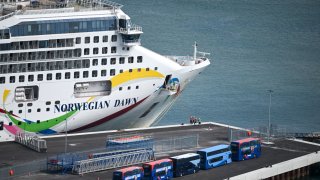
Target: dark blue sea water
x,y
255,46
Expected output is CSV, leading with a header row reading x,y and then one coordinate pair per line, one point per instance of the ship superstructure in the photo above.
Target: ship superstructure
x,y
79,66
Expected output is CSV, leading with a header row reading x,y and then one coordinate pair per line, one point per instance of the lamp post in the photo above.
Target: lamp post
x,y
269,123
66,138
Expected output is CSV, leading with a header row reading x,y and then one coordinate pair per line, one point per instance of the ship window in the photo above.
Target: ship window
x,y
30,78
104,61
49,77
10,123
114,38
139,59
47,109
21,78
58,76
104,72
20,105
147,69
96,39
20,111
137,87
94,73
85,74
12,79
87,40
29,110
86,51
113,49
121,71
27,93
112,72
121,60
38,121
113,61
155,68
86,63
57,102
105,39
94,62
29,104
76,74
130,59
48,103
130,70
38,110
2,80
139,69
92,88
120,88
104,50
67,75
40,77
95,50
129,87
78,40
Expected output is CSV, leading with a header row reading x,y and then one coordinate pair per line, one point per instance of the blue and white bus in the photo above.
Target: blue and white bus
x,y
129,173
214,156
185,164
158,170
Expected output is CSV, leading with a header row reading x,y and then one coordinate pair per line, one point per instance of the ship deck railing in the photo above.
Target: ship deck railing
x,y
187,60
51,7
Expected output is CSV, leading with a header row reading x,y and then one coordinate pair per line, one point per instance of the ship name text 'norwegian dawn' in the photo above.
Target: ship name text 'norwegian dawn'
x,y
79,66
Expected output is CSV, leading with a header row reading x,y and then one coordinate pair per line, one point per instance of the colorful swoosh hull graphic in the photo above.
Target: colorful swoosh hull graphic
x,y
110,117
45,125
135,74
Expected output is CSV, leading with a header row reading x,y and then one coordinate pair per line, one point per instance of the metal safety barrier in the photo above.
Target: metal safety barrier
x,y
32,141
115,161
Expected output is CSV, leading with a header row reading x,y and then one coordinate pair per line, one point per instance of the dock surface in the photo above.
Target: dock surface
x,y
13,154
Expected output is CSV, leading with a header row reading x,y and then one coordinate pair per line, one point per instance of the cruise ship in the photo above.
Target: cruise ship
x,y
69,66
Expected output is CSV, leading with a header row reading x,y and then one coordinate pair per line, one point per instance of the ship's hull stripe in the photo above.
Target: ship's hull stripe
x,y
108,118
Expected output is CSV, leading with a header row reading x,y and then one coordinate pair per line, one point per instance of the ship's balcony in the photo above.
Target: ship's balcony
x,y
133,29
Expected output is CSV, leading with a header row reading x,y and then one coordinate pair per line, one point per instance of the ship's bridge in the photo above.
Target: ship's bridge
x,y
130,32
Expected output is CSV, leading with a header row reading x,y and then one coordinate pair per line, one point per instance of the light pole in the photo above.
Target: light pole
x,y
269,123
66,138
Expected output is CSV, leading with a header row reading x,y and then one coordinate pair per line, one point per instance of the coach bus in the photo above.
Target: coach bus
x,y
214,156
129,173
185,164
160,169
245,149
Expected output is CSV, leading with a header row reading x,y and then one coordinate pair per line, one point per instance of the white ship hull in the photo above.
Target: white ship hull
x,y
103,83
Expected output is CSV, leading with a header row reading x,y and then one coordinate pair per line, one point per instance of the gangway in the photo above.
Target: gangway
x,y
31,141
115,161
